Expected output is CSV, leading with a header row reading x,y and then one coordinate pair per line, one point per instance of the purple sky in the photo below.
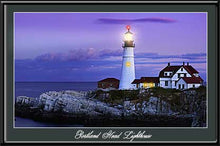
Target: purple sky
x,y
87,46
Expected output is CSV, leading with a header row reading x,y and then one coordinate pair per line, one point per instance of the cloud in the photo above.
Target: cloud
x,y
130,21
34,70
192,56
115,55
47,68
79,55
165,62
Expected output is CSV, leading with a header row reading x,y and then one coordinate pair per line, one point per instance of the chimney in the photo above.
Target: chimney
x,y
168,63
183,63
187,63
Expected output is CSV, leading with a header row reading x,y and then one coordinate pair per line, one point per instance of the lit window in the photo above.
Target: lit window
x,y
145,85
151,84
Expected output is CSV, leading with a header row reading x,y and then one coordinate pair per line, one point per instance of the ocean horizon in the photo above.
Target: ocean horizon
x,y
35,89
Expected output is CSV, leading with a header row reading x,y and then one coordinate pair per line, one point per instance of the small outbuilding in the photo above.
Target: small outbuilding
x,y
146,82
108,83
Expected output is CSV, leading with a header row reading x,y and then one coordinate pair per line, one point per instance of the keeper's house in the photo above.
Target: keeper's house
x,y
108,83
180,77
175,77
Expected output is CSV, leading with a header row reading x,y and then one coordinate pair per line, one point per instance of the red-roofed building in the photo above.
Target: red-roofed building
x,y
108,83
146,82
171,75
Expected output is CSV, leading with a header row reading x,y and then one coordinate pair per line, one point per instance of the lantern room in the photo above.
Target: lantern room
x,y
128,38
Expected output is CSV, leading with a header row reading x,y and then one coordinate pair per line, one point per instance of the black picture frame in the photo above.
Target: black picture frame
x,y
11,135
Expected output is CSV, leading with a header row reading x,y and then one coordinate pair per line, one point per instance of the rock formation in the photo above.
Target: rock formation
x,y
83,106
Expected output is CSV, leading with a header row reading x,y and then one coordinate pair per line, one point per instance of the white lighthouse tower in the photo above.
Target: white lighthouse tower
x,y
128,69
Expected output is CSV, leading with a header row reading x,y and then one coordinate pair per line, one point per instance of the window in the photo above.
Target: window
x,y
166,83
181,69
151,84
196,75
193,85
183,86
184,75
178,75
175,83
179,86
165,74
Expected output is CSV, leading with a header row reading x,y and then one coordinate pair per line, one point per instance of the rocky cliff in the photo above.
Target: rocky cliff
x,y
100,108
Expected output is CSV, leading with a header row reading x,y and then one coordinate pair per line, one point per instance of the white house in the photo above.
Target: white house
x,y
174,77
171,75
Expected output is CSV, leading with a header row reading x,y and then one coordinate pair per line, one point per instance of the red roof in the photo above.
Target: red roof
x,y
190,69
191,80
109,80
136,81
174,69
150,79
146,79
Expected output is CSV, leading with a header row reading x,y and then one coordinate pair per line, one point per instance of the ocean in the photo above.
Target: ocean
x,y
35,89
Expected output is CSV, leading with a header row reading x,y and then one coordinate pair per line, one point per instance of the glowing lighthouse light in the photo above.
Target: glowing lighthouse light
x,y
128,35
128,69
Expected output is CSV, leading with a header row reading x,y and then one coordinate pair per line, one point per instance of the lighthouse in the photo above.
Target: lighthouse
x,y
128,69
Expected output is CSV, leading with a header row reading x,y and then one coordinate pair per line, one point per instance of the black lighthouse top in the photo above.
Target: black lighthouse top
x,y
128,38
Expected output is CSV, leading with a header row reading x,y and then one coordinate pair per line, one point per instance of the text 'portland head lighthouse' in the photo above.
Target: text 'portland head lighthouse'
x,y
128,69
